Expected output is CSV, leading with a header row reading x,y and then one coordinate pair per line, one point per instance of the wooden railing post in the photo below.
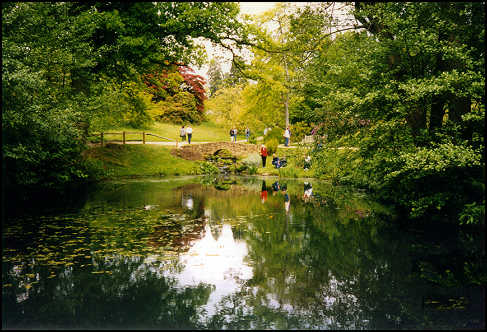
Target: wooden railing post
x,y
123,135
143,137
101,138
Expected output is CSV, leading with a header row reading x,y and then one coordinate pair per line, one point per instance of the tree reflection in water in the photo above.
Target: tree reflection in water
x,y
330,262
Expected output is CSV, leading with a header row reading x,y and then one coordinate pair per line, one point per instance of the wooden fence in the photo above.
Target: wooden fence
x,y
309,139
125,133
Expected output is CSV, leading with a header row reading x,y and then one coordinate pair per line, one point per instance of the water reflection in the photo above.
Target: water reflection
x,y
263,192
187,201
219,263
308,192
196,256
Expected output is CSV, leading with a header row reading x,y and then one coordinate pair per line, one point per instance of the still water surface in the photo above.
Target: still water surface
x,y
248,253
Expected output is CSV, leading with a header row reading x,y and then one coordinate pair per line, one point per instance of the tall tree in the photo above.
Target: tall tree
x,y
215,77
61,61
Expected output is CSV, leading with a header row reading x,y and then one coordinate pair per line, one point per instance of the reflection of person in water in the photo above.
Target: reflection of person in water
x,y
263,193
275,187
287,201
308,191
187,202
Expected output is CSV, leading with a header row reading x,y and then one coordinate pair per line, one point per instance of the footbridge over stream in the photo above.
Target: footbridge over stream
x,y
199,151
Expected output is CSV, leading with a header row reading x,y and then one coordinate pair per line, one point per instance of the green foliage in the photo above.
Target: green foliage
x,y
180,95
439,174
407,95
177,109
70,68
274,134
341,166
289,172
215,77
472,213
299,130
271,145
208,168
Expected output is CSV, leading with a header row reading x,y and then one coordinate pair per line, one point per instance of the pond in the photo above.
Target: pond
x,y
235,253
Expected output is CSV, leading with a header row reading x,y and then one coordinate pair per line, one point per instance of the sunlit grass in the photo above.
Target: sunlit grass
x,y
204,132
140,160
293,168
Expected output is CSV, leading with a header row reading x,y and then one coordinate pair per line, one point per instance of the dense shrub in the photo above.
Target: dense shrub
x,y
252,159
208,168
274,134
272,146
436,180
299,130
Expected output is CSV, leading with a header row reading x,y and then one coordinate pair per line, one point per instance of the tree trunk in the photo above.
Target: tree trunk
x,y
457,107
417,119
286,102
437,113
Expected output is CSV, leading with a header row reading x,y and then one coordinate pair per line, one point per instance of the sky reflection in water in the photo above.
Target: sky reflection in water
x,y
251,256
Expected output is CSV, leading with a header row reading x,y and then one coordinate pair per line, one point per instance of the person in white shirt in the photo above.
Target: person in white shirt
x,y
189,132
287,136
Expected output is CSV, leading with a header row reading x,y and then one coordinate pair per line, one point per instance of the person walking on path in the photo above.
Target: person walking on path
x,y
231,135
189,132
235,135
247,133
287,136
182,133
263,154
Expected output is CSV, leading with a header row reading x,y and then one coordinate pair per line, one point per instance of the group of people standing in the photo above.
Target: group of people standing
x,y
233,134
183,132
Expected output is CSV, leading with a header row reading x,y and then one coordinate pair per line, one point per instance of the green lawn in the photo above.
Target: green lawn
x,y
149,160
140,160
205,132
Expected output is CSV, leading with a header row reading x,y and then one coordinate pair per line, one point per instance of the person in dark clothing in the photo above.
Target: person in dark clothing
x,y
189,132
275,161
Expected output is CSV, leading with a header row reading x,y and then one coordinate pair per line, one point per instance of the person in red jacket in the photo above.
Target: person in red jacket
x,y
263,154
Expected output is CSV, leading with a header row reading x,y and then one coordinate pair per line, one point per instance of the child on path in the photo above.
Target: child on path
x,y
247,133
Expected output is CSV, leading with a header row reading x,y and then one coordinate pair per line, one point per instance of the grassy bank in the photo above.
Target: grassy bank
x,y
117,160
